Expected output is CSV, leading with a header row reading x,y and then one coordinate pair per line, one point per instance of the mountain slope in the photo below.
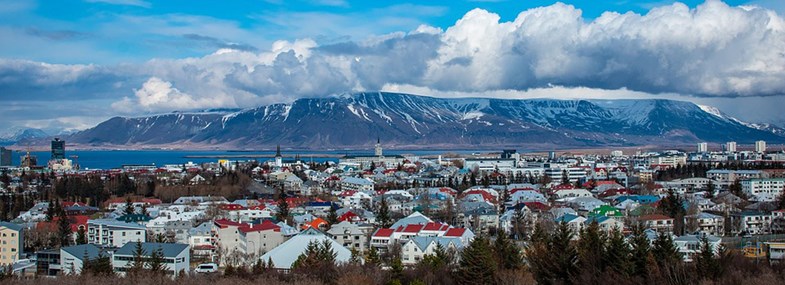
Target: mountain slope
x,y
17,134
419,121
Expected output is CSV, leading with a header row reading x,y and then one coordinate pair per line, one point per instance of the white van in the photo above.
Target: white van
x,y
206,268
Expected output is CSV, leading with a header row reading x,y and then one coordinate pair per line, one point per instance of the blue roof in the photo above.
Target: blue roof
x,y
168,249
566,218
643,199
599,219
11,226
90,251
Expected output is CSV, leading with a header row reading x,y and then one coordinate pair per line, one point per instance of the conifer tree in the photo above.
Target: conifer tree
x,y
332,215
564,251
477,264
591,249
706,262
129,207
640,252
383,217
617,253
283,207
157,261
372,257
63,228
81,237
664,251
508,255
138,263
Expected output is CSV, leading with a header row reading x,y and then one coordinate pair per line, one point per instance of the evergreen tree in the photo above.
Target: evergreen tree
x,y
157,261
640,252
372,257
81,237
332,215
51,211
258,267
591,250
508,255
780,203
138,263
383,216
565,179
735,189
664,251
706,262
477,264
283,207
144,210
617,253
129,207
565,253
63,228
710,187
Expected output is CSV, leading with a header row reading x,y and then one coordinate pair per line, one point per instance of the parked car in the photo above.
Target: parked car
x,y
206,268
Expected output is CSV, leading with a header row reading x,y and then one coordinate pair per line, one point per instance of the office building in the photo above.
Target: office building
x,y
58,149
5,156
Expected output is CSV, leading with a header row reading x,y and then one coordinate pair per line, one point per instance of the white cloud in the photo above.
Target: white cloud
x,y
712,51
138,3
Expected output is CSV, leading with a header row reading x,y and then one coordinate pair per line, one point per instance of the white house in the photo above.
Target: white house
x,y
690,245
176,257
72,258
761,189
110,232
284,255
413,251
356,184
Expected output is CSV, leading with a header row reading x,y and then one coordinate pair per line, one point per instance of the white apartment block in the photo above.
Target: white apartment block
x,y
763,189
110,232
730,147
760,146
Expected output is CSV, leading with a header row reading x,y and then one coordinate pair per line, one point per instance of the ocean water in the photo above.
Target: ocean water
x,y
109,159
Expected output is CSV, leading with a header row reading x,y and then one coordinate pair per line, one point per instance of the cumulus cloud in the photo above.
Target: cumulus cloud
x,y
712,51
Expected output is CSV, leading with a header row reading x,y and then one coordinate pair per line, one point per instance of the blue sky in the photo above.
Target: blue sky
x,y
69,64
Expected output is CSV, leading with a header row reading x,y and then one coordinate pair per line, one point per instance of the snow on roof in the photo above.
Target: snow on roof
x,y
284,255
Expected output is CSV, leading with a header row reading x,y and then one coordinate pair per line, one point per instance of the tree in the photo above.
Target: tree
x,y
710,187
283,207
617,253
591,250
144,210
673,206
51,211
63,228
138,263
129,207
665,252
508,255
477,264
81,237
332,215
383,217
565,178
640,252
157,261
706,262
781,200
735,189
372,257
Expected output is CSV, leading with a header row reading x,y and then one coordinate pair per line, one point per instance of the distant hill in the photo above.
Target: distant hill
x,y
405,120
17,134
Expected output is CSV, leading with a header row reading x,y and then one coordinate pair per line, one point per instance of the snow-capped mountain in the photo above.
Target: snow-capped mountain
x,y
16,134
417,121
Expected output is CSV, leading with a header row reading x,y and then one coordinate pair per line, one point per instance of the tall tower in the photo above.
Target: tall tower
x,y
730,147
378,148
760,146
278,157
58,149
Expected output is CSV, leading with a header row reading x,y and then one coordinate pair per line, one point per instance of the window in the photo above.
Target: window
x,y
123,233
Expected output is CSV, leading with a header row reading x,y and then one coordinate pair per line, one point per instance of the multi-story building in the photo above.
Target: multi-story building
x,y
110,232
763,189
703,147
760,146
557,172
657,222
72,258
730,147
11,242
356,184
349,235
726,177
706,223
690,245
5,156
413,251
751,222
58,149
669,160
176,257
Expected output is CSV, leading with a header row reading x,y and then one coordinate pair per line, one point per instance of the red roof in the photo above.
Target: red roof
x,y
455,232
654,217
563,187
264,226
224,223
413,228
435,227
348,216
537,206
383,233
74,221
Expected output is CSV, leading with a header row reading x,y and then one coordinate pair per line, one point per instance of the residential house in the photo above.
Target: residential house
x,y
11,243
751,222
413,251
705,223
658,222
575,222
176,257
284,255
72,258
690,245
349,235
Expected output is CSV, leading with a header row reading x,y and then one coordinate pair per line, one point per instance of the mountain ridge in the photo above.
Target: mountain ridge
x,y
357,119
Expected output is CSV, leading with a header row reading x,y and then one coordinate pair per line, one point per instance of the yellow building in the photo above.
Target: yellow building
x,y
11,237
